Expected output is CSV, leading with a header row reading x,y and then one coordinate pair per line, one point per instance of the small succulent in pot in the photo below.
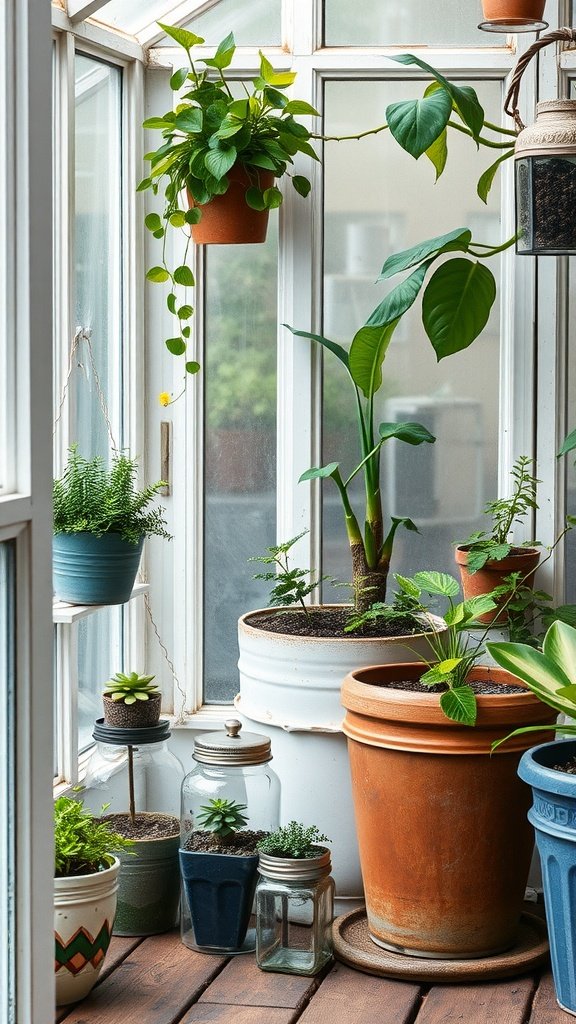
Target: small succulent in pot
x,y
294,840
223,817
131,700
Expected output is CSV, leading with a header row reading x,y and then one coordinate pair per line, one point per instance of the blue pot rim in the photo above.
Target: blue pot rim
x,y
534,770
112,537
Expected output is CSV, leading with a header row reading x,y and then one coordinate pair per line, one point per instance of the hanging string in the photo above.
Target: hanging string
x,y
83,336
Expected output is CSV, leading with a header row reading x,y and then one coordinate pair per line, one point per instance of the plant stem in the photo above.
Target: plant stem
x,y
479,139
349,138
493,250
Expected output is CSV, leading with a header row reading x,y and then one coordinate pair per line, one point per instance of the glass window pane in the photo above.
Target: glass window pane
x,y
98,281
131,15
413,22
442,487
570,549
255,24
99,657
240,460
7,691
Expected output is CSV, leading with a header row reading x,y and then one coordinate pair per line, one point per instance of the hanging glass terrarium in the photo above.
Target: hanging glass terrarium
x,y
545,167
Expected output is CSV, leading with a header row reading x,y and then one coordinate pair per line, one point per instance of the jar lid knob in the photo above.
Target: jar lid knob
x,y
233,727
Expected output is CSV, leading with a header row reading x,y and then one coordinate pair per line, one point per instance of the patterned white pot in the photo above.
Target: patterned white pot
x,y
84,909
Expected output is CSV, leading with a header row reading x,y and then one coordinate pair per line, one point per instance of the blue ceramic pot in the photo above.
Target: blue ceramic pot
x,y
94,570
219,892
553,815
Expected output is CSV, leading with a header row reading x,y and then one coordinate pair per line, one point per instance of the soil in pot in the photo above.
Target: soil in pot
x,y
242,844
331,622
144,826
149,883
479,686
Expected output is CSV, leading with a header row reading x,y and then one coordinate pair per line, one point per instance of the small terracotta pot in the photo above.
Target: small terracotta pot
x,y
132,716
513,15
227,219
491,575
445,845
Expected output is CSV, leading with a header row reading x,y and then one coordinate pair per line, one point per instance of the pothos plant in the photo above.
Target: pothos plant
x,y
210,130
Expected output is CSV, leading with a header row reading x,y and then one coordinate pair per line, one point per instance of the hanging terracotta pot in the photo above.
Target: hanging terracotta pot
x,y
227,219
445,845
492,574
513,15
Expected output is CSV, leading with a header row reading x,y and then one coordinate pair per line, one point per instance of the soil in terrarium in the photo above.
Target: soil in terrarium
x,y
554,184
241,844
330,622
144,826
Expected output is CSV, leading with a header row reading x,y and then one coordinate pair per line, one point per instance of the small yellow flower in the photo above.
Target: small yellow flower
x,y
164,398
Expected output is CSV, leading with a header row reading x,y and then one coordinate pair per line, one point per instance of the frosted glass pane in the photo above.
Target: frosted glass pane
x,y
7,785
255,24
412,22
99,657
240,461
132,15
98,278
379,201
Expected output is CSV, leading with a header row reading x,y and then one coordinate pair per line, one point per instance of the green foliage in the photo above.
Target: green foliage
x,y
209,132
91,498
506,513
83,844
291,586
293,840
222,817
406,608
549,673
127,689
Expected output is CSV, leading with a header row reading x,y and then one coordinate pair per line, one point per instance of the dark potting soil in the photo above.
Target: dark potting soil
x,y
479,686
569,766
241,844
330,622
554,188
145,826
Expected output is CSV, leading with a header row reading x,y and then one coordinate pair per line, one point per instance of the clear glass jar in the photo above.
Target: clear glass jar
x,y
217,887
294,908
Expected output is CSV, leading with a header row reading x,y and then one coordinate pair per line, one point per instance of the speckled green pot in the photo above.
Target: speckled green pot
x,y
149,887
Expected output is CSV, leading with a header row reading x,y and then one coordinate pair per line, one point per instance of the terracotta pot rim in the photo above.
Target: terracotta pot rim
x,y
516,555
251,630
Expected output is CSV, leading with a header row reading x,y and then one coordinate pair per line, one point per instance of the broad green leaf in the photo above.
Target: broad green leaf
x,y
239,108
475,606
272,198
157,274
190,120
229,128
300,107
176,346
416,124
264,161
455,615
412,433
156,122
569,443
433,677
178,219
178,78
193,215
144,184
560,647
452,241
153,222
399,300
542,675
367,352
437,583
333,346
224,54
219,161
185,312
185,332
448,665
486,180
301,184
321,472
255,198
192,367
437,153
280,79
181,36
569,694
184,276
463,97
456,305
407,585
171,302
459,704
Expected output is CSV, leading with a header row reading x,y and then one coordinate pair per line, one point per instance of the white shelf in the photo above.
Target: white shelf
x,y
69,613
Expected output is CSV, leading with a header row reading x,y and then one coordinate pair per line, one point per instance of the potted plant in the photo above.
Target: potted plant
x,y
218,862
131,701
549,769
149,881
224,151
485,558
100,522
513,15
85,885
295,887
434,811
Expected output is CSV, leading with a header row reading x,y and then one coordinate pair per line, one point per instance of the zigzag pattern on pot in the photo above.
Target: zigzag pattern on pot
x,y
81,949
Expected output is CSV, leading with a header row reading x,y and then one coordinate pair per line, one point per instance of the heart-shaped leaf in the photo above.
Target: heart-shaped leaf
x,y
416,124
437,583
459,704
456,305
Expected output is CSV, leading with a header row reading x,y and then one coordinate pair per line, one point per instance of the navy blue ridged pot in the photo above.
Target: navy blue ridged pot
x,y
553,816
219,892
94,570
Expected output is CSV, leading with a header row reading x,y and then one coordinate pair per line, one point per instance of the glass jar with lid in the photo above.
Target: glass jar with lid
x,y
230,799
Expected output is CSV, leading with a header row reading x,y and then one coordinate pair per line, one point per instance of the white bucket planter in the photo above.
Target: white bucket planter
x,y
291,686
84,909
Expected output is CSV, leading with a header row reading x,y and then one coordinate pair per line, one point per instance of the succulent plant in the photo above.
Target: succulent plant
x,y
222,817
130,688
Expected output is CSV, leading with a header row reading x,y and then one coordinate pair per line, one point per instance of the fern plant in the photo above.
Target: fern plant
x,y
293,840
90,498
83,844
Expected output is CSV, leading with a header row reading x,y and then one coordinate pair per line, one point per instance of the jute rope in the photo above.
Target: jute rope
x,y
565,35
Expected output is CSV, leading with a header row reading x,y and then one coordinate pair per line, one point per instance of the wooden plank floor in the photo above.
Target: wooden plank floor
x,y
159,981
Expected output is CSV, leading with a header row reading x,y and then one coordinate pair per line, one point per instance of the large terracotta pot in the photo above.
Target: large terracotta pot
x,y
445,846
84,909
513,15
227,219
491,575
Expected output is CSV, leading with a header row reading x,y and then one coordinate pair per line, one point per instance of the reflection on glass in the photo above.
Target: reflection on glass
x,y
98,284
99,657
254,24
7,696
442,487
240,444
374,23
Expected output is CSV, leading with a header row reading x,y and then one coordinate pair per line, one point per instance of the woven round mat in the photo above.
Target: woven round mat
x,y
353,946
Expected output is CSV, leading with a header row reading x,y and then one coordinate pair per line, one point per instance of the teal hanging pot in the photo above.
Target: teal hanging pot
x,y
94,570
